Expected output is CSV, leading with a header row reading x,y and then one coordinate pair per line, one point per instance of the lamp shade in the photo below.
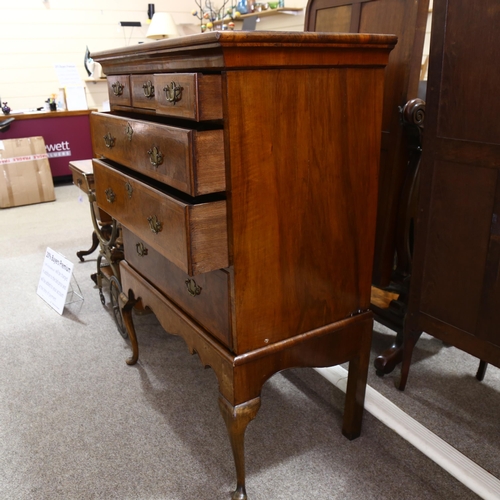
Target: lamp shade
x,y
162,26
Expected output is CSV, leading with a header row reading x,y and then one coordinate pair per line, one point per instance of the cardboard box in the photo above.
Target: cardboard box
x,y
25,176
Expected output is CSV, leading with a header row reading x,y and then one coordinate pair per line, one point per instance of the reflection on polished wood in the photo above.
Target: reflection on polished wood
x,y
407,19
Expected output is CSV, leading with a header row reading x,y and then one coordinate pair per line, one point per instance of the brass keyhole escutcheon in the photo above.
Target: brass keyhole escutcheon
x,y
110,195
149,89
173,92
155,156
141,249
129,189
109,140
129,131
154,224
117,88
192,288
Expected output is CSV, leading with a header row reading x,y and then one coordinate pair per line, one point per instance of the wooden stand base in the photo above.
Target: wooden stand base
x,y
241,377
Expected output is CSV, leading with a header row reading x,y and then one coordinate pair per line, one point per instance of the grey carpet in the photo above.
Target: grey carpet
x,y
77,423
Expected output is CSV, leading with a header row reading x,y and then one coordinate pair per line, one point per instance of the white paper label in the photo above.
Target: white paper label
x,y
55,279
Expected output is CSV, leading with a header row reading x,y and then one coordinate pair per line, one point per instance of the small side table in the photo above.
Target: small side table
x,y
83,178
106,235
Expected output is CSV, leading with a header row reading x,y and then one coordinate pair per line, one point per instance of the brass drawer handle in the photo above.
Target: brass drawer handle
x,y
79,183
192,288
141,249
149,89
129,131
109,140
110,195
129,189
155,225
173,92
117,88
155,156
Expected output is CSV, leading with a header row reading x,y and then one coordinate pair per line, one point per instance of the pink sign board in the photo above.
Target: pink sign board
x,y
67,138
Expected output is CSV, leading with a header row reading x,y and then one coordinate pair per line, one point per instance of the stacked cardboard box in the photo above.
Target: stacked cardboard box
x,y
25,176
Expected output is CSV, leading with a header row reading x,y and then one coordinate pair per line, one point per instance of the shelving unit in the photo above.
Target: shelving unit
x,y
270,12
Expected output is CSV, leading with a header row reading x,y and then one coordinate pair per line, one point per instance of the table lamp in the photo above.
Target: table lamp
x,y
162,26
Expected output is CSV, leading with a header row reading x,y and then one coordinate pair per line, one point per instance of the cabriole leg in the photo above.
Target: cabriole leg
x,y
127,304
237,418
410,339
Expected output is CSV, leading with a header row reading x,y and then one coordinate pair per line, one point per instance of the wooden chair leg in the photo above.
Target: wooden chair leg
x,y
95,243
481,370
237,418
410,338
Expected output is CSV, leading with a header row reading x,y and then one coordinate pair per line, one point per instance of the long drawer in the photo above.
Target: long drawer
x,y
192,96
205,298
193,236
189,160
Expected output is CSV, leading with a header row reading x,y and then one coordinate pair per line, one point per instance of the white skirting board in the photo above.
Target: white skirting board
x,y
458,465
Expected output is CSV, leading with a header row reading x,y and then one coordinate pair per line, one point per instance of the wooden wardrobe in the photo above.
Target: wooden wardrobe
x,y
455,289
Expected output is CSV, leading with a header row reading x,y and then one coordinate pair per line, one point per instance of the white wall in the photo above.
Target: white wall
x,y
38,34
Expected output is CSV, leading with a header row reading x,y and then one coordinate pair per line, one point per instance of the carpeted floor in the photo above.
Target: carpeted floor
x,y
76,422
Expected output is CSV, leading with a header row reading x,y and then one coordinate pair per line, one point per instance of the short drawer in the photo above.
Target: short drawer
x,y
193,236
193,96
189,160
143,91
205,299
84,179
119,90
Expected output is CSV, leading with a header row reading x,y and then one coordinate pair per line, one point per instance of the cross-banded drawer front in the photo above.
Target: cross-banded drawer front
x,y
193,236
119,90
193,96
189,160
204,297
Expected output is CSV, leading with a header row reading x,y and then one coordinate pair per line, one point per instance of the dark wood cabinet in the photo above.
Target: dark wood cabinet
x,y
267,266
455,290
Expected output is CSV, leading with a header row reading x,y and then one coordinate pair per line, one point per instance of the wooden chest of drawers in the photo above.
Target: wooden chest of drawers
x,y
243,168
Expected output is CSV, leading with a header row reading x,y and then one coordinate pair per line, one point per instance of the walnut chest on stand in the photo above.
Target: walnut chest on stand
x,y
243,168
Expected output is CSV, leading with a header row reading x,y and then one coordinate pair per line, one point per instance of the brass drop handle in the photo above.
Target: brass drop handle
x,y
110,195
129,131
129,189
109,140
141,249
173,92
79,183
154,224
117,88
149,89
155,156
192,288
